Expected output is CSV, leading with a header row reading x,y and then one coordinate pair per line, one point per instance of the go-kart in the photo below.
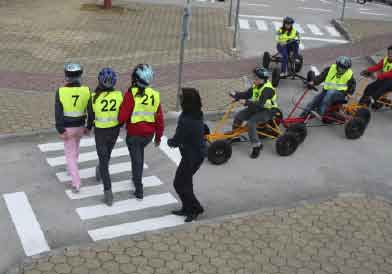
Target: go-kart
x,y
354,117
220,142
294,66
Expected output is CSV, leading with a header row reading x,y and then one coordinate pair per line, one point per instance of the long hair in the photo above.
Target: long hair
x,y
99,90
283,29
191,102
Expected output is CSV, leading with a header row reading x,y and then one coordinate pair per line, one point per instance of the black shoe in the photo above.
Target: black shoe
x,y
191,217
138,193
108,197
179,212
97,174
256,151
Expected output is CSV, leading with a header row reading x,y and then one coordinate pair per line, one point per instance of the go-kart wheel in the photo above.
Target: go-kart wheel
x,y
299,131
299,61
266,59
219,152
364,114
275,77
377,105
355,128
311,76
286,144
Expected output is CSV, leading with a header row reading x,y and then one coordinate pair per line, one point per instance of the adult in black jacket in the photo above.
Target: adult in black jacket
x,y
189,138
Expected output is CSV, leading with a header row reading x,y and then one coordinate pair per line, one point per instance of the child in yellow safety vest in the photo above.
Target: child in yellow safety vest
x,y
70,113
104,108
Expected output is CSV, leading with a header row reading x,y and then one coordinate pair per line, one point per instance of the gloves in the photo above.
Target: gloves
x,y
365,73
233,95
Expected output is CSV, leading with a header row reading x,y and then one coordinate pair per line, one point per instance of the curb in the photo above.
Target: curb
x,y
18,268
340,27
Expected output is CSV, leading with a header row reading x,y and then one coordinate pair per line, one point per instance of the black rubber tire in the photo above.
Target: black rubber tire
x,y
300,132
299,63
355,128
364,114
311,76
219,152
275,77
266,59
286,144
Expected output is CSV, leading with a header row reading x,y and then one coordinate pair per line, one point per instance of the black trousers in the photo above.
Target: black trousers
x,y
183,184
105,140
376,89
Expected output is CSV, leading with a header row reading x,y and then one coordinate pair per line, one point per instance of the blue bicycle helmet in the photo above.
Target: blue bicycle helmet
x,y
343,62
107,78
143,75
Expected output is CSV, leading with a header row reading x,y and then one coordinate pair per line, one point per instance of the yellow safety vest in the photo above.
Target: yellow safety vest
x,y
335,82
387,65
74,100
283,36
146,105
258,92
106,108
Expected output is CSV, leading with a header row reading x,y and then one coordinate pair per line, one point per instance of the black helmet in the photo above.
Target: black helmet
x,y
343,62
72,70
288,20
261,73
390,47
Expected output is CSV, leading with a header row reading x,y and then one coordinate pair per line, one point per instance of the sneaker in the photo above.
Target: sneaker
x,y
256,151
97,174
284,74
179,212
138,194
108,197
75,189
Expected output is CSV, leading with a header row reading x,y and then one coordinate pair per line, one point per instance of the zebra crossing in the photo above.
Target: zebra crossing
x,y
87,210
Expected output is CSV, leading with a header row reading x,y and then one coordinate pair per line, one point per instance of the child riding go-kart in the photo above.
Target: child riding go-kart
x,y
288,54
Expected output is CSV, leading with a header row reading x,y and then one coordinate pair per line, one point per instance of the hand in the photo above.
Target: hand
x,y
170,143
366,73
157,142
232,94
64,135
86,131
310,84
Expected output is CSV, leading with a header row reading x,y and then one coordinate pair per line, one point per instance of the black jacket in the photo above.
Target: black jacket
x,y
64,122
321,78
268,93
189,136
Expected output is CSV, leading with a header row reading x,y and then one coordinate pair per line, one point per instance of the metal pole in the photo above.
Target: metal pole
x,y
344,7
236,24
230,12
184,35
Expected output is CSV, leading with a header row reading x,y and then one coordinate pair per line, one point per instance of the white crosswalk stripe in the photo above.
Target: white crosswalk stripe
x,y
314,29
122,168
244,24
261,25
299,28
332,31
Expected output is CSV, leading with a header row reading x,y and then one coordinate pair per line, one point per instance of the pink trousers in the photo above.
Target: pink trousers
x,y
71,149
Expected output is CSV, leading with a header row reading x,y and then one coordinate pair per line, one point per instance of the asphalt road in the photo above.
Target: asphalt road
x,y
38,212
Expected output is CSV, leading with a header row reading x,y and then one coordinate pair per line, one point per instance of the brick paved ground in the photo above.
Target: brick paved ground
x,y
347,235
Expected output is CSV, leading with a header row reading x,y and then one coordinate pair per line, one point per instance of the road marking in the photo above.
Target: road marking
x,y
261,17
26,224
301,46
324,40
244,24
258,5
90,172
261,25
314,29
299,28
97,190
88,156
325,2
84,142
277,25
372,13
173,153
110,232
315,69
101,210
332,31
315,9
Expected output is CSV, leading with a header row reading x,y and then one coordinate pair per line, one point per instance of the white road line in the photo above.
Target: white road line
x,y
111,232
173,153
88,156
301,46
26,224
261,17
244,24
90,172
101,210
338,41
261,25
277,24
372,13
84,142
325,2
258,5
315,9
315,69
96,190
314,29
332,31
299,28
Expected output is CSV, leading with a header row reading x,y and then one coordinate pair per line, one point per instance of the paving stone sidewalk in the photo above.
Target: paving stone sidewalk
x,y
345,235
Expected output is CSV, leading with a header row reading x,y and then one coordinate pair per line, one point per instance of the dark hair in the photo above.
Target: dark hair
x,y
283,29
99,90
191,101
